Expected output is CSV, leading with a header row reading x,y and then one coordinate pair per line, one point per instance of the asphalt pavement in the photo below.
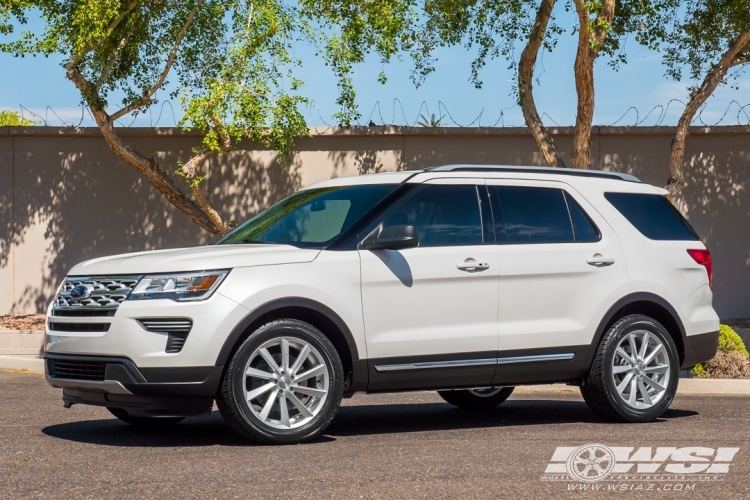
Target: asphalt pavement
x,y
400,446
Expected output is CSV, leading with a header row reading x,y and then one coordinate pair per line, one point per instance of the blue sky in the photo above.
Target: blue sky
x,y
39,85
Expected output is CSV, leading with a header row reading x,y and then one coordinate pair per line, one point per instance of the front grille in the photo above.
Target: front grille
x,y
78,327
104,292
84,313
177,330
78,370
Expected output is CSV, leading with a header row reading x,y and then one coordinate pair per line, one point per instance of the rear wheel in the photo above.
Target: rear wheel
x,y
480,398
283,385
635,372
154,421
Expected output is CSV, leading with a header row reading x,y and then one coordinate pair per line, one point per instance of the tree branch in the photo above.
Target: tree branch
x,y
167,67
226,142
190,171
713,78
76,59
201,213
589,43
111,62
526,65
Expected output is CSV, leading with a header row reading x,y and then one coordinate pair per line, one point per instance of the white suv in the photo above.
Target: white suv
x,y
465,279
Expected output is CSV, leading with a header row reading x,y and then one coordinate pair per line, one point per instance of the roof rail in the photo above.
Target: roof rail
x,y
534,170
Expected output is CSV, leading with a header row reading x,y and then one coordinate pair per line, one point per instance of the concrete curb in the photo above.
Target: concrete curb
x,y
21,342
29,363
688,386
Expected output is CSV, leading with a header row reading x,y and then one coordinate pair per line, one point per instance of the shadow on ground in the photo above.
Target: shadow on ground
x,y
351,421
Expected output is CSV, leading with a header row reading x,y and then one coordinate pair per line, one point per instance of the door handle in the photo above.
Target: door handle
x,y
472,265
598,260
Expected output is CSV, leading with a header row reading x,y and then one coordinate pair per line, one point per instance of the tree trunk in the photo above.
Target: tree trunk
x,y
732,57
202,213
525,87
591,36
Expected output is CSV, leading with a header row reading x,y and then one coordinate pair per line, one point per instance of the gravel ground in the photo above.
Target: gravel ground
x,y
22,322
398,446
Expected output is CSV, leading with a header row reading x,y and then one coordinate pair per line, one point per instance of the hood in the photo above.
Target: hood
x,y
194,259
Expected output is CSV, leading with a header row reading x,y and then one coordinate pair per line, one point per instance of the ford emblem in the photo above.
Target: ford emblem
x,y
80,292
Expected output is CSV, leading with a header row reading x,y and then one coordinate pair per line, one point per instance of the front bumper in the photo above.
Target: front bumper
x,y
121,335
699,348
116,382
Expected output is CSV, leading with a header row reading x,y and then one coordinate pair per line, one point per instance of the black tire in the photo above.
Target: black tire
x,y
474,400
599,389
237,412
152,422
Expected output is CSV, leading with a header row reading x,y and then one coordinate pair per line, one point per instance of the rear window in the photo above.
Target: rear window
x,y
653,215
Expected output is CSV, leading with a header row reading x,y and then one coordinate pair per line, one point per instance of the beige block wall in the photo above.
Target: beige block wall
x,y
7,262
65,197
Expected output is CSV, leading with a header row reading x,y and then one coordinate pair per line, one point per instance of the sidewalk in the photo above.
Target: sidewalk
x,y
22,349
687,386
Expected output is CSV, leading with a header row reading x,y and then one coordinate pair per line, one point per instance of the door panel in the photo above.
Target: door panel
x,y
550,295
417,302
436,302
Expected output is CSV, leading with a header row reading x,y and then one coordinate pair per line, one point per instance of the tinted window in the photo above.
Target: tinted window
x,y
531,215
584,229
443,216
312,218
653,215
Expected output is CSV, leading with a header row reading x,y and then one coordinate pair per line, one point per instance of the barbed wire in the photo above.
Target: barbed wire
x,y
443,117
45,120
443,112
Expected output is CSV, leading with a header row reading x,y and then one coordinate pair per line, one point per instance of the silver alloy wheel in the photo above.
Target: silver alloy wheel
x,y
485,392
286,383
641,369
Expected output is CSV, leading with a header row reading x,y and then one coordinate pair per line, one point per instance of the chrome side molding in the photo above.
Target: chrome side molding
x,y
457,363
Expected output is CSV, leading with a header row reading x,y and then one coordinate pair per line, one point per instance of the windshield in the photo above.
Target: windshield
x,y
312,218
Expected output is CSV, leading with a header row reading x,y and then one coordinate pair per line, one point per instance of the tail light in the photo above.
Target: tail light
x,y
703,257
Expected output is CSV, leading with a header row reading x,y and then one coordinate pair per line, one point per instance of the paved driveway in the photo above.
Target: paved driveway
x,y
397,446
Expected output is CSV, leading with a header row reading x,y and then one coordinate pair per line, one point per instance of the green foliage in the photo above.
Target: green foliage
x,y
13,119
349,30
432,121
232,60
701,34
495,28
232,64
699,372
729,341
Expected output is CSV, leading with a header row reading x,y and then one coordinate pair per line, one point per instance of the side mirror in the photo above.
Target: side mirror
x,y
393,238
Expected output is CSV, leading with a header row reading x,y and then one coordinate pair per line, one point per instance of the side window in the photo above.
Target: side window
x,y
443,216
531,215
585,230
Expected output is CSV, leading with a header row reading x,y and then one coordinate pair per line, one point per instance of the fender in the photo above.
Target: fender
x,y
273,305
624,301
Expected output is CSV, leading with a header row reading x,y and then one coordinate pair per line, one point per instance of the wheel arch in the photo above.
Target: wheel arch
x,y
647,304
318,315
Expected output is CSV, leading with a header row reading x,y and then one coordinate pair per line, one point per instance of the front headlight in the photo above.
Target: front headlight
x,y
178,286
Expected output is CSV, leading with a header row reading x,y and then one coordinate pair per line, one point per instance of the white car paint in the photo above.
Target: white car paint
x,y
542,295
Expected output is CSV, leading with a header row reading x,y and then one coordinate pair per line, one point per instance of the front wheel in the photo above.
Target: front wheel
x,y
635,372
481,398
283,385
